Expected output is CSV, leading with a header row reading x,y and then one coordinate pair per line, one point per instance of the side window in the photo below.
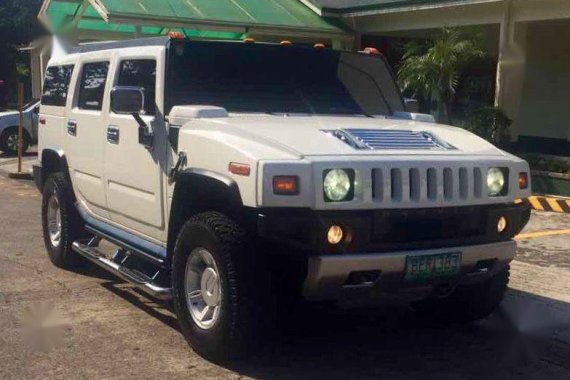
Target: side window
x,y
140,73
56,85
92,86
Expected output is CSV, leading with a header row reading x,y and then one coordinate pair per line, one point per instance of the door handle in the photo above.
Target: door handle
x,y
113,134
72,128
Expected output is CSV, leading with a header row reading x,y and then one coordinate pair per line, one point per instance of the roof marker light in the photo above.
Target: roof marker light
x,y
319,46
286,43
176,35
370,50
249,40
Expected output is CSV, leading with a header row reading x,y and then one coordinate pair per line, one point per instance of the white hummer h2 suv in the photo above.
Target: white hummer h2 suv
x,y
231,175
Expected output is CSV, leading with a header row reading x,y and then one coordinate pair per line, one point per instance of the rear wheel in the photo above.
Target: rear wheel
x,y
9,141
467,303
61,223
218,287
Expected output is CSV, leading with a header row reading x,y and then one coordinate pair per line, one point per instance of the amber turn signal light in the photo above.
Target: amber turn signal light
x,y
286,185
523,180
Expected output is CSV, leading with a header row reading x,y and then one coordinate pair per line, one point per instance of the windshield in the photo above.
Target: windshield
x,y
279,79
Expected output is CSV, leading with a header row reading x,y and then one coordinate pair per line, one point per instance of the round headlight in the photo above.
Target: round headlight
x,y
337,185
495,181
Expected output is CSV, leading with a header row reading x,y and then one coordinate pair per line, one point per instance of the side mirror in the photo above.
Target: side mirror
x,y
412,105
127,100
130,100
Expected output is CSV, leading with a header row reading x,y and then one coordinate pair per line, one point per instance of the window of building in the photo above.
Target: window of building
x,y
92,87
56,85
140,73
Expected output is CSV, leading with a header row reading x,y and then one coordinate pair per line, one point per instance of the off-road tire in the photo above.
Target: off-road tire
x,y
243,309
72,227
6,135
466,303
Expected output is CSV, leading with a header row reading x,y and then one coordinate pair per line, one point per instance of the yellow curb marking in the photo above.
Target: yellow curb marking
x,y
535,203
554,205
532,235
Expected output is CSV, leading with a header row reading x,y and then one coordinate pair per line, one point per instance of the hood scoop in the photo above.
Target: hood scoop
x,y
389,139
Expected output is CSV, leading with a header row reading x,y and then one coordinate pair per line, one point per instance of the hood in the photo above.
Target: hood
x,y
317,135
9,113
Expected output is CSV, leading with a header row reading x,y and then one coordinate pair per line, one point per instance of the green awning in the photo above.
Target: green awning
x,y
226,19
350,7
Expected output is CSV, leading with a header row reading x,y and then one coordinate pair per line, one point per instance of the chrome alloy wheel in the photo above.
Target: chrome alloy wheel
x,y
203,288
54,221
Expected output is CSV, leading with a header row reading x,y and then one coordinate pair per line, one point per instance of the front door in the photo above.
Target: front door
x,y
135,174
84,136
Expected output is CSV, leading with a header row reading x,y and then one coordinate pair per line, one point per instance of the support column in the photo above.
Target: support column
x,y
511,66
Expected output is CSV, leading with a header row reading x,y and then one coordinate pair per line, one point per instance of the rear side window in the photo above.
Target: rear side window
x,y
56,85
92,86
140,73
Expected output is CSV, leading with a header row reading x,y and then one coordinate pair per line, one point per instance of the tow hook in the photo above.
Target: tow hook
x,y
173,174
443,290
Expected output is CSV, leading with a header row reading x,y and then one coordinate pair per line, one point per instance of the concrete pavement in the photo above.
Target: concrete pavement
x,y
93,326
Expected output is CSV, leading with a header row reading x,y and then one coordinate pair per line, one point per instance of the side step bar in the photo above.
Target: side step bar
x,y
140,281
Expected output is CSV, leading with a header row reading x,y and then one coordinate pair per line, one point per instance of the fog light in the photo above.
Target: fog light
x,y
501,224
335,235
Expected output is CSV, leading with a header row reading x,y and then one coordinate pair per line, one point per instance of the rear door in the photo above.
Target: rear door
x,y
85,133
135,175
53,102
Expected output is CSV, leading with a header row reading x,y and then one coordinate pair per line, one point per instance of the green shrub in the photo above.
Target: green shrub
x,y
490,123
547,164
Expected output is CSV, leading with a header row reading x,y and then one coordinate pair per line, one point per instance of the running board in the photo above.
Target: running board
x,y
140,281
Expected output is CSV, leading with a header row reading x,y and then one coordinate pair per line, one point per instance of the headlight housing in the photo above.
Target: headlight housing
x,y
338,185
497,182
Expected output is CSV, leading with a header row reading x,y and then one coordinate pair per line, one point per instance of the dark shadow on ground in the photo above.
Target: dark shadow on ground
x,y
15,156
517,342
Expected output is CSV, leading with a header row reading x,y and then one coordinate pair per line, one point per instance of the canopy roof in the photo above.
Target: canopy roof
x,y
350,7
231,19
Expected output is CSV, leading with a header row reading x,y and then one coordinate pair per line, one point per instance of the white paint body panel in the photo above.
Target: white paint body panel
x,y
126,185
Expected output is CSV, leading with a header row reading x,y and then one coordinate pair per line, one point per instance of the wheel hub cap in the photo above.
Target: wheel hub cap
x,y
54,221
12,142
203,288
210,287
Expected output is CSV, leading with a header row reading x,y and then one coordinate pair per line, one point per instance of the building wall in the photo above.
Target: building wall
x,y
545,100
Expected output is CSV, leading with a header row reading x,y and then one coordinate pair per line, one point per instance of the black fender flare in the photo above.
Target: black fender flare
x,y
199,190
51,160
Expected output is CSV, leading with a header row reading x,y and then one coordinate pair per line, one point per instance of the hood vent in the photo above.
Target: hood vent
x,y
381,139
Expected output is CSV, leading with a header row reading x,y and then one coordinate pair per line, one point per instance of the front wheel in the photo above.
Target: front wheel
x,y
217,286
467,303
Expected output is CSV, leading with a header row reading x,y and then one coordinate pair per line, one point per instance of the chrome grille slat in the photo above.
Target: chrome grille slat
x,y
451,183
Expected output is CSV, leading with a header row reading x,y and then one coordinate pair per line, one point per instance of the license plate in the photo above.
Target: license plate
x,y
432,266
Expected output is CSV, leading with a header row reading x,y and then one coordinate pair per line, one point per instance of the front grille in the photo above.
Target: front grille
x,y
390,139
451,184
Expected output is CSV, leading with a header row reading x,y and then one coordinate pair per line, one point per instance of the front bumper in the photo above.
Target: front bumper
x,y
329,276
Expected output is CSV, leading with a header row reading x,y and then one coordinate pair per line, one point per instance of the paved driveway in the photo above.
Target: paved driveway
x,y
105,329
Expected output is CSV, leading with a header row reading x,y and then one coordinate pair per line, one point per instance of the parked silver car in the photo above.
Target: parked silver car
x,y
9,128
